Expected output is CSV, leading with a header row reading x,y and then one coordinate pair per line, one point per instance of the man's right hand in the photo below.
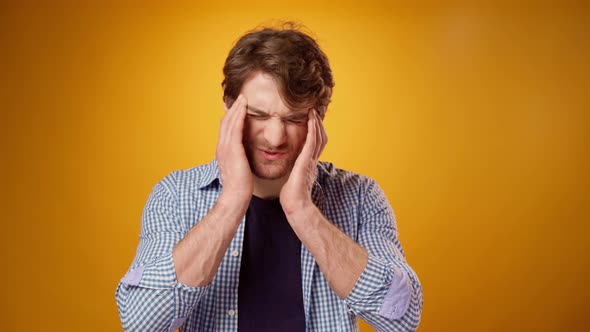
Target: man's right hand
x,y
198,255
234,168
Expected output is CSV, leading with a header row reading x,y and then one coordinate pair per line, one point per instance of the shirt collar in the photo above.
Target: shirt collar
x,y
211,173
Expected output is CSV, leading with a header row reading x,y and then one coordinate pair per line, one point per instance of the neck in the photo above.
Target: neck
x,y
267,189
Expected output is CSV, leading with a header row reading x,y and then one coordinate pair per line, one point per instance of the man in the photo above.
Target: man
x,y
266,237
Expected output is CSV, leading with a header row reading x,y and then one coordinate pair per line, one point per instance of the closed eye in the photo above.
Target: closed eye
x,y
257,116
293,119
298,121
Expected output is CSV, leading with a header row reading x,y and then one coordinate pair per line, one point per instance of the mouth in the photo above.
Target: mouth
x,y
271,155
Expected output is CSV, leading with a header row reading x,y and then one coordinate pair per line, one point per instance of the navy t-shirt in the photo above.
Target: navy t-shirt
x,y
269,293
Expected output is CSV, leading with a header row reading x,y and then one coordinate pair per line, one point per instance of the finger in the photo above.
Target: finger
x,y
225,130
236,121
240,118
318,133
324,135
233,110
223,121
236,105
310,141
229,110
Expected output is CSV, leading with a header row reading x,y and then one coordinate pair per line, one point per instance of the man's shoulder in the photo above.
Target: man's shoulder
x,y
346,188
192,178
339,178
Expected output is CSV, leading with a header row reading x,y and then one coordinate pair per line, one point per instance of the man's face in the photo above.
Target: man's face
x,y
273,134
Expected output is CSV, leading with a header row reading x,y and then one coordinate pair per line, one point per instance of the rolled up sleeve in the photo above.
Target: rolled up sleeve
x,y
149,297
388,294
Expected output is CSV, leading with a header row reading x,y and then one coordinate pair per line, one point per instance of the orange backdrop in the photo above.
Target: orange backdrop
x,y
473,118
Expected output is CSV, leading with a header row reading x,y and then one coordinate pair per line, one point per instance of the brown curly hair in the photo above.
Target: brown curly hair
x,y
294,59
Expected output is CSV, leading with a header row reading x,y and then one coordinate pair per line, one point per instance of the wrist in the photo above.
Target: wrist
x,y
304,211
231,204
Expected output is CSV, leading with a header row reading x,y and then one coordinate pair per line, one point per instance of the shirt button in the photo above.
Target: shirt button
x,y
235,253
231,313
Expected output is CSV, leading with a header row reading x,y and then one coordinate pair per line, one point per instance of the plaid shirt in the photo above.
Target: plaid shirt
x,y
387,295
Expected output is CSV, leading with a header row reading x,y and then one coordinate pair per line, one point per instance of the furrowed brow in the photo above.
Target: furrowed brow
x,y
256,110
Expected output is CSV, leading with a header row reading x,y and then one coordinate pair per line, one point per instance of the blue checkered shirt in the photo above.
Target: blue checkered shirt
x,y
387,295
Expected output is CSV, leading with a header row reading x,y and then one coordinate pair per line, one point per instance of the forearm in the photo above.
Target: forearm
x,y
198,255
340,259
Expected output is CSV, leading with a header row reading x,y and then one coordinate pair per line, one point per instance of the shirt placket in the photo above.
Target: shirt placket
x,y
228,309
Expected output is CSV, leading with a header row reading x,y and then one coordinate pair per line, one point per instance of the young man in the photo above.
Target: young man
x,y
266,237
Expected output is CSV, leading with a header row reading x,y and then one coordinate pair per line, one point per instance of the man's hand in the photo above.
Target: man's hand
x,y
340,259
231,157
296,192
198,255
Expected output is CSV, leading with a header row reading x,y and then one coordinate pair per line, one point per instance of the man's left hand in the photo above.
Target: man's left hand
x,y
296,192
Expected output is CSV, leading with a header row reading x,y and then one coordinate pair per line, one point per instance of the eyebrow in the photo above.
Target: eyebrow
x,y
255,110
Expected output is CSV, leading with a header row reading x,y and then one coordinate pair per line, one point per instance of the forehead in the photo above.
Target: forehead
x,y
262,93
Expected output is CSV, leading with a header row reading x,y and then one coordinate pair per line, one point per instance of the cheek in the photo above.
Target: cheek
x,y
249,133
298,136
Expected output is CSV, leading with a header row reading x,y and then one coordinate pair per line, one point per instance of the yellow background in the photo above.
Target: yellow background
x,y
474,119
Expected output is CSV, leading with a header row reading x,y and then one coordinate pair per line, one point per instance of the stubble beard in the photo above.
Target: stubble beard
x,y
270,169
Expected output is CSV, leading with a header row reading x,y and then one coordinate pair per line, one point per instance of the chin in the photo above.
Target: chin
x,y
271,172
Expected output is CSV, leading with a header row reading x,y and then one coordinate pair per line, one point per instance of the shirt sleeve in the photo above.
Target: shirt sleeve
x,y
388,294
149,297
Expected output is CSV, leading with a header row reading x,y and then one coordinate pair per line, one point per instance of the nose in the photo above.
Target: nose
x,y
275,132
